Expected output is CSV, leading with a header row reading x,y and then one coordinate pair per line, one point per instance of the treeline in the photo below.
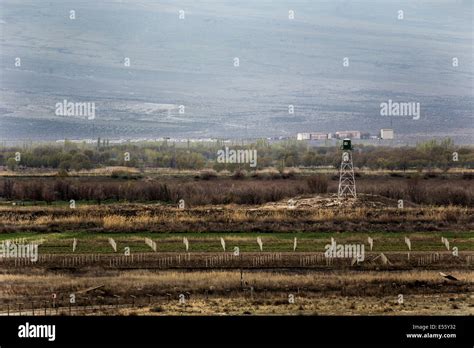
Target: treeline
x,y
72,156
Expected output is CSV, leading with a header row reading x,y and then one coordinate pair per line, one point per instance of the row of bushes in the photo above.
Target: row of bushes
x,y
228,190
194,193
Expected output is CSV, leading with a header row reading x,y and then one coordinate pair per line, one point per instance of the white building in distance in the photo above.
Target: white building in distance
x,y
318,136
386,134
312,136
303,136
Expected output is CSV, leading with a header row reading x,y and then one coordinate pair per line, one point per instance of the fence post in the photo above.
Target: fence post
x,y
117,302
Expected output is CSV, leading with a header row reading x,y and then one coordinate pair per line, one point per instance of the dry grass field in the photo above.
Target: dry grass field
x,y
231,218
222,293
202,278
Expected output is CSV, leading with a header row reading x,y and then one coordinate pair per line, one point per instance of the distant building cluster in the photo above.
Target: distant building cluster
x,y
386,134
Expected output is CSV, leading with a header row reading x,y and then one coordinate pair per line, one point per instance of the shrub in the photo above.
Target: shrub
x,y
62,173
289,173
430,175
317,183
450,196
268,173
239,174
119,174
415,191
207,174
468,176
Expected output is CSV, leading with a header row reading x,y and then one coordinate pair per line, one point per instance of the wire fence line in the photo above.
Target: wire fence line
x,y
63,307
229,260
98,304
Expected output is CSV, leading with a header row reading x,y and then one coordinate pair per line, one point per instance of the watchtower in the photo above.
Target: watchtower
x,y
347,186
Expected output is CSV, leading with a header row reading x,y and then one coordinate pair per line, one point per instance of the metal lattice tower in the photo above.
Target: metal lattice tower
x,y
347,186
